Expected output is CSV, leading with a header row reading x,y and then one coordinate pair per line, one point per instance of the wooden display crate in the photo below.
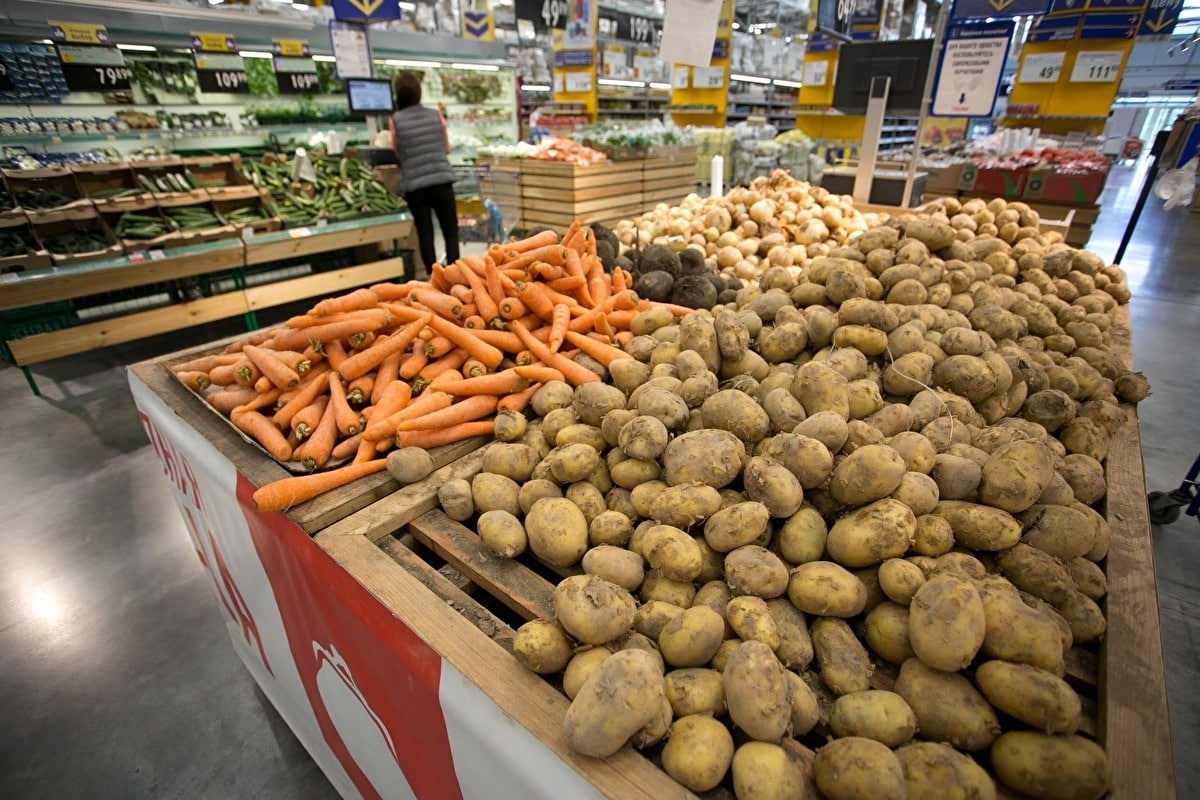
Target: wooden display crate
x,y
1078,218
34,259
248,197
434,575
218,175
148,207
189,200
59,179
85,218
98,177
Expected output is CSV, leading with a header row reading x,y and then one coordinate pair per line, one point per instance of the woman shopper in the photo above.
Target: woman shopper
x,y
421,143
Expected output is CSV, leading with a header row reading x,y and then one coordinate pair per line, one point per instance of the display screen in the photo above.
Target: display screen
x,y
905,62
369,96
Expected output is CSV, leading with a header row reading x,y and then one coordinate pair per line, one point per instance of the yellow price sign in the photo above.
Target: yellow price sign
x,y
292,48
214,42
78,33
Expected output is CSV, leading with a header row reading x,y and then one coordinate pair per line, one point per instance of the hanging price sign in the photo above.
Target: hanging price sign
x,y
632,28
545,15
1096,66
1041,68
93,68
222,73
296,75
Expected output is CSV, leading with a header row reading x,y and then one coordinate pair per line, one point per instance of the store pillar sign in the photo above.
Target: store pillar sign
x,y
1055,29
816,73
1160,17
708,77
972,63
983,9
1111,25
477,22
689,30
366,10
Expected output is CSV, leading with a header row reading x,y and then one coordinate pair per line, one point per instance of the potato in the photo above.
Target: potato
x,y
592,401
609,528
534,490
887,632
946,624
502,534
574,462
844,664
1016,475
756,571
1085,476
633,472
555,421
695,691
1038,698
891,420
871,534
948,708
692,638
807,458
827,427
1062,531
616,701
652,617
552,395
870,341
1083,615
580,668
580,433
542,646
879,715
768,482
1014,631
936,771
782,343
736,525
765,771
672,552
615,565
856,768
685,505
643,437
819,388
593,610
794,649
869,473
900,580
457,500
967,376
1034,571
711,457
956,478
667,407
933,536
495,492
588,498
784,410
756,692
802,537
1088,577
1053,767
698,752
733,338
409,464
557,531
826,589
979,527
1049,408
628,373
909,374
657,587
918,492
736,412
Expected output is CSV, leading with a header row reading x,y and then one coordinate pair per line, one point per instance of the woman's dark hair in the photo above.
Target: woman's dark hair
x,y
407,87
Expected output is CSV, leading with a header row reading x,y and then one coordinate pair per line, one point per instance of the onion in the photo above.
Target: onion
x,y
762,211
728,256
780,256
749,228
745,270
717,218
748,247
728,239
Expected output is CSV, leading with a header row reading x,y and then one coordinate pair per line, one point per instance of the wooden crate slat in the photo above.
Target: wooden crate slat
x,y
629,201
522,695
574,195
510,582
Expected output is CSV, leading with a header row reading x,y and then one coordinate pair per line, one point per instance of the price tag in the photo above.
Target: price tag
x,y
296,75
708,77
578,82
93,68
247,233
1096,66
299,233
546,15
680,79
632,28
816,73
1041,68
221,73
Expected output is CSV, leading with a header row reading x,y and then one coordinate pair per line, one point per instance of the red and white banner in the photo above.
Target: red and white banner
x,y
381,712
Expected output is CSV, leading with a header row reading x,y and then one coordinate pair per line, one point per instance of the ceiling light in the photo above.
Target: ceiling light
x,y
535,87
618,82
329,59
665,86
141,48
750,79
254,54
477,67
404,62
787,84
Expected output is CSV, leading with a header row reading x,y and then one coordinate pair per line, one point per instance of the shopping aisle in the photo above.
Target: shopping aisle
x,y
120,680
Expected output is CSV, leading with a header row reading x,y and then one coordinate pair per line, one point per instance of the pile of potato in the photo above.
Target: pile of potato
x,y
775,222
852,511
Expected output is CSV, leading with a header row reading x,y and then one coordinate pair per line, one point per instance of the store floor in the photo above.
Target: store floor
x,y
119,680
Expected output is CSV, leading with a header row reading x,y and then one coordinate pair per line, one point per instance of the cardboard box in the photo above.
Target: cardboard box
x,y
249,197
944,178
35,258
55,179
63,222
993,181
94,178
217,174
1049,186
149,208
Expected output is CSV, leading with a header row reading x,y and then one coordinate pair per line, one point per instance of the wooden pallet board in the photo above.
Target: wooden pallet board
x,y
674,174
574,195
601,177
629,202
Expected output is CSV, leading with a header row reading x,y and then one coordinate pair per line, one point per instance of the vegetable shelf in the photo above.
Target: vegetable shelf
x,y
382,630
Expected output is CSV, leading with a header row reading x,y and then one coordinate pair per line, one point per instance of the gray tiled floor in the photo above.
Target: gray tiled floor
x,y
119,679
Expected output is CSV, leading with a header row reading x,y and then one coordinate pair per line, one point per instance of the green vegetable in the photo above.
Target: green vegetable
x,y
132,225
42,198
75,242
15,242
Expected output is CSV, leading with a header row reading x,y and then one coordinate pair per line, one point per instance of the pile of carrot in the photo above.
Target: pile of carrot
x,y
419,364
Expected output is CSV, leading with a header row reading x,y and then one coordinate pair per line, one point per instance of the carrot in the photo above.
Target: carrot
x,y
468,341
620,280
303,397
503,340
621,320
196,380
573,232
491,279
536,299
364,450
439,302
382,427
679,311
348,421
415,362
505,382
206,363
538,373
623,338
558,326
599,287
364,361
574,373
389,370
474,323
623,301
263,385
604,353
603,327
437,438
480,296
261,400
518,401
472,368
293,360
367,314
348,447
288,339
358,391
273,367
361,341
543,239
569,283
312,356
317,449
553,254
512,308
305,422
547,272
258,337
390,292
395,398
226,400
245,373
462,293
438,346
283,494
354,301
468,410
447,363
524,358
259,428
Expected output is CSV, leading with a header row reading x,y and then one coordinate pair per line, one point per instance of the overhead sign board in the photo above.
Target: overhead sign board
x,y
972,62
835,17
1160,17
983,9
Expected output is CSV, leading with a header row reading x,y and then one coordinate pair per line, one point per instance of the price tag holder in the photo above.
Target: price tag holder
x,y
1096,66
680,79
1041,68
93,68
816,73
296,75
299,233
223,73
708,77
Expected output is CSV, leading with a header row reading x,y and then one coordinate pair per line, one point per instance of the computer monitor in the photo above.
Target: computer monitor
x,y
370,96
905,62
